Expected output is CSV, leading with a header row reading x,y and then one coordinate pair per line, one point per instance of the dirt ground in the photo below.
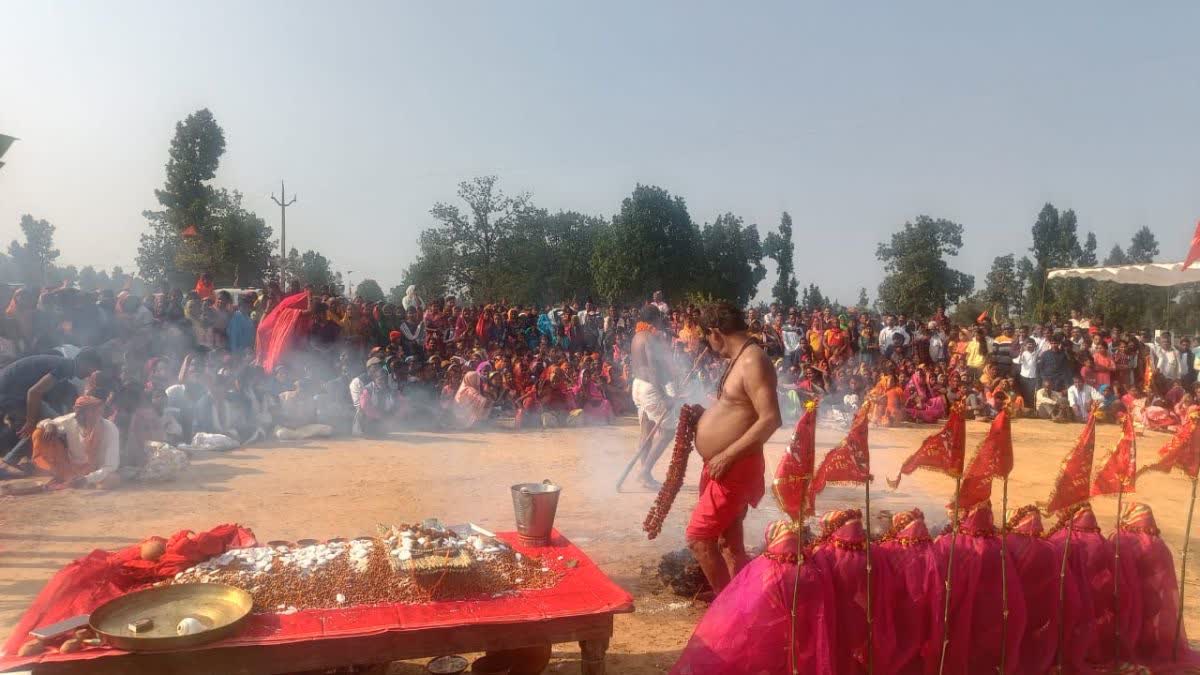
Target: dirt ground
x,y
345,487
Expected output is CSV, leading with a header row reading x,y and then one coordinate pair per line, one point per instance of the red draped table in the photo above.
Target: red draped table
x,y
580,608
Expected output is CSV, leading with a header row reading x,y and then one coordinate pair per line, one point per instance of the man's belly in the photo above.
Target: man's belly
x,y
720,426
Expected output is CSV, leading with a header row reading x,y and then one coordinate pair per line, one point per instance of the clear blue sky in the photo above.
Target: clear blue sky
x,y
853,118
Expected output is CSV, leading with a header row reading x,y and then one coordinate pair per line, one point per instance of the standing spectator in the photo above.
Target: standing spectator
x,y
1053,364
1167,363
412,301
657,301
1187,362
239,329
938,344
1078,321
1027,371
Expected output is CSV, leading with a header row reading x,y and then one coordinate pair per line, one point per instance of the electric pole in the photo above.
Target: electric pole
x,y
283,205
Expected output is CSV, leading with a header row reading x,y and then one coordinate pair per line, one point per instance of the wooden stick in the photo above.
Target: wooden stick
x,y
1117,581
1004,576
1062,592
1187,539
795,604
870,618
949,572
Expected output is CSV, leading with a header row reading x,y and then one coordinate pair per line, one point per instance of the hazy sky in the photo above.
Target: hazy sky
x,y
852,118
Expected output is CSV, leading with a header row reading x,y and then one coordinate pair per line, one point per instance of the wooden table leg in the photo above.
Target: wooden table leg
x,y
593,656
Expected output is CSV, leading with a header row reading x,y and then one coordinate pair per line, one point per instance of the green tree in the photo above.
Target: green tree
x,y
1025,273
919,280
732,260
396,295
312,269
370,290
651,245
1055,244
231,242
863,301
1002,289
35,258
1143,248
88,279
778,247
565,242
813,299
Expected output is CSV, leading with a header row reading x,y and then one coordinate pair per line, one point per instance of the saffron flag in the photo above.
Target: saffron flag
x,y
795,470
1182,451
993,458
1075,473
1118,472
1193,251
847,463
943,452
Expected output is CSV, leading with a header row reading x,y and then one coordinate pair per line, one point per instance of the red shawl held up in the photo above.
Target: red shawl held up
x,y
279,330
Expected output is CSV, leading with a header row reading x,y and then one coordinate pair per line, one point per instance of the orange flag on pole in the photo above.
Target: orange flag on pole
x,y
795,470
1182,451
1118,472
1075,473
943,452
846,464
993,458
1193,251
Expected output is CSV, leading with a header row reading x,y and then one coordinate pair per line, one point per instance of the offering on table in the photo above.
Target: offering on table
x,y
405,564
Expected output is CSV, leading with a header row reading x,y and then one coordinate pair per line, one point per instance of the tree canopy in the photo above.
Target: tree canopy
x,y
370,290
34,260
778,247
919,280
651,245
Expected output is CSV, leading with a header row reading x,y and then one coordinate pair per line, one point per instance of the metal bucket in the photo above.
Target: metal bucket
x,y
534,505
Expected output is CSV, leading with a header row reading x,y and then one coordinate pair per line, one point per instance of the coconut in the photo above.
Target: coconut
x,y
152,549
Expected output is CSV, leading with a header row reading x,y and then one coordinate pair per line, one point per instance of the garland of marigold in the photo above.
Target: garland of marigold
x,y
685,437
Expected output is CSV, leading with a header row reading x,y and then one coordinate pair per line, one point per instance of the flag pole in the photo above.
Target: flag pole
x,y
795,603
1004,576
870,625
949,572
1117,580
1062,590
1187,539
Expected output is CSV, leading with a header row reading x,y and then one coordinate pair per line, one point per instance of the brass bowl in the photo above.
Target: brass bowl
x,y
219,607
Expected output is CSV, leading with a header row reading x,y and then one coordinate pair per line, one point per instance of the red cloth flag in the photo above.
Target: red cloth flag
x,y
1183,450
279,330
795,470
942,452
1193,252
993,458
1118,473
1075,473
848,463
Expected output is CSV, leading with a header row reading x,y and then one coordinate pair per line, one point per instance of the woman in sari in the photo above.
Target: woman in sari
x,y
923,404
837,343
590,395
958,349
816,338
471,404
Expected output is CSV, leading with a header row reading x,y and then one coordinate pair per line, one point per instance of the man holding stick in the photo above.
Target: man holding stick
x,y
730,437
650,361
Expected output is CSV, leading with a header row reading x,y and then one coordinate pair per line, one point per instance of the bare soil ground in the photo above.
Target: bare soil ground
x,y
345,487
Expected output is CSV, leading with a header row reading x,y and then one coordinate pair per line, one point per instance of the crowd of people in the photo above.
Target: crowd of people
x,y
93,382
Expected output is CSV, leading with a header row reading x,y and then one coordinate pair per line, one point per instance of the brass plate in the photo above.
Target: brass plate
x,y
219,607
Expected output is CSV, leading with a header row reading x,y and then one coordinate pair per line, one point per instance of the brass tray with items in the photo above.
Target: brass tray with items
x,y
172,617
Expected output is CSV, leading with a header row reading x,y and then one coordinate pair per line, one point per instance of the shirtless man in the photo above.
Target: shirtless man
x,y
730,437
651,374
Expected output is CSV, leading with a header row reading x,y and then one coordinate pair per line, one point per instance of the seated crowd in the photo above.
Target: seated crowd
x,y
98,385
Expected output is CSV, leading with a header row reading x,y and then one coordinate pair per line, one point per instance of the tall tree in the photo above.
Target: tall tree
x,y
919,280
1143,248
200,228
1025,274
370,290
778,247
1002,289
312,269
88,279
732,260
36,256
651,245
863,301
813,298
564,242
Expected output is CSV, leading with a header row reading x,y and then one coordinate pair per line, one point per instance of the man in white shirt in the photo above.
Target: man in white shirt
x,y
81,448
889,329
1080,397
793,334
937,343
657,301
1027,369
1166,357
1077,320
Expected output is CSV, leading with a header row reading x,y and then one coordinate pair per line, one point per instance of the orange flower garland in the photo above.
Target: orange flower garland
x,y
685,436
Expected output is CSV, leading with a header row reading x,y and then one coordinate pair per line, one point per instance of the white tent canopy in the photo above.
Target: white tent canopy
x,y
1152,274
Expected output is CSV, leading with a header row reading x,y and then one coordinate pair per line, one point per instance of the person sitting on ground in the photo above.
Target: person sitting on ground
x,y
80,448
377,404
297,409
1080,397
1051,404
26,387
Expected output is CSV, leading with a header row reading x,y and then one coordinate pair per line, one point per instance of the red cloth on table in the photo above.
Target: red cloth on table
x,y
100,576
748,628
583,590
279,330
975,600
722,501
